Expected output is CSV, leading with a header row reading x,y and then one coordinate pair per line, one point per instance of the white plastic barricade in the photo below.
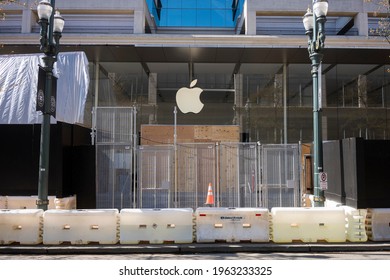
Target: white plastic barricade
x,y
356,220
3,202
65,203
378,224
81,226
156,226
23,226
232,224
307,224
27,202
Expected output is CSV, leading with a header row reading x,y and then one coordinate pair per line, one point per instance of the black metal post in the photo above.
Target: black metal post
x,y
50,50
316,45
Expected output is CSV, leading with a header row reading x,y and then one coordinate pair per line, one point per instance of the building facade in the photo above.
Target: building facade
x,y
249,57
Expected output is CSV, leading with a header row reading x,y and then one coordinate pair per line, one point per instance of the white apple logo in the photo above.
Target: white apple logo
x,y
188,99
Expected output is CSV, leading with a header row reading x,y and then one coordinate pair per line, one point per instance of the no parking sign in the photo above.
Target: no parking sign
x,y
323,181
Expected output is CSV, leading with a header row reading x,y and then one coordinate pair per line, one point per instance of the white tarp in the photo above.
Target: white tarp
x,y
19,81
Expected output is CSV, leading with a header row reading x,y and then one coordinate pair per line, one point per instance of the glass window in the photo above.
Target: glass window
x,y
205,4
203,18
174,17
197,13
186,4
218,18
188,18
300,85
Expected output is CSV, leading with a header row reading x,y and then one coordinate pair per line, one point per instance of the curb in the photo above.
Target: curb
x,y
199,248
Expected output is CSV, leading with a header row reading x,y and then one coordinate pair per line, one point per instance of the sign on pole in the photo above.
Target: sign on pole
x,y
40,101
323,177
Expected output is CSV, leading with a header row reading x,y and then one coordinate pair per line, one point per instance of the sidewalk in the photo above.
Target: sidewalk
x,y
197,248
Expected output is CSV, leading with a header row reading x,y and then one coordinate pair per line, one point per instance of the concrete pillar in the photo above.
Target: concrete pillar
x,y
152,97
278,90
362,91
250,19
139,22
361,22
27,20
238,99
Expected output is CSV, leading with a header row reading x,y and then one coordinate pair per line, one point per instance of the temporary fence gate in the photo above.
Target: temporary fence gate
x,y
155,177
196,169
280,175
115,145
240,174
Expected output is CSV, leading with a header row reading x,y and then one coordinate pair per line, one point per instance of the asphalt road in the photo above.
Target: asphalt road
x,y
197,251
385,255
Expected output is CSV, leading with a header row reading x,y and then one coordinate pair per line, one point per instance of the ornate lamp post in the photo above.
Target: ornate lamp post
x,y
315,30
51,28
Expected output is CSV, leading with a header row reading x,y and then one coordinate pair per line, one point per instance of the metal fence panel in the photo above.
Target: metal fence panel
x,y
196,164
114,125
114,157
155,177
280,175
239,180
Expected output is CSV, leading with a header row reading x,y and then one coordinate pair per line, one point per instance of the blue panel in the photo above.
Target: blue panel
x,y
197,13
203,18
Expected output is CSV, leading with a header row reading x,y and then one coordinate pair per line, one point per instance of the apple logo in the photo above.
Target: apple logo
x,y
188,99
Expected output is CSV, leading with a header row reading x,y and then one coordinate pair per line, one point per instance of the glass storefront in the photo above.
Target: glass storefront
x,y
276,99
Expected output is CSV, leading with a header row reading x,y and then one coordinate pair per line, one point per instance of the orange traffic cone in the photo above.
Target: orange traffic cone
x,y
210,196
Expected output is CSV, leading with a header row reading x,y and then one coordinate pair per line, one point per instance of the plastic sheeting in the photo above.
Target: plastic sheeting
x,y
19,81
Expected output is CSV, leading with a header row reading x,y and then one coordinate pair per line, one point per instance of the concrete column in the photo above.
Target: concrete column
x,y
152,96
139,22
278,90
250,19
362,91
361,22
238,100
27,20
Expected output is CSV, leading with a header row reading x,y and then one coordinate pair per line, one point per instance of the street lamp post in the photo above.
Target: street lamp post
x,y
315,30
51,28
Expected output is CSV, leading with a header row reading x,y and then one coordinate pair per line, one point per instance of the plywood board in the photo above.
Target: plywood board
x,y
164,134
306,179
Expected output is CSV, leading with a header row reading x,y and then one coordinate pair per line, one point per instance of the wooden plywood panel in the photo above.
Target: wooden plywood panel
x,y
185,134
226,133
164,134
203,133
157,135
306,179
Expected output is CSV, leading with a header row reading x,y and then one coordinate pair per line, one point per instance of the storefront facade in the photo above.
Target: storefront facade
x,y
249,57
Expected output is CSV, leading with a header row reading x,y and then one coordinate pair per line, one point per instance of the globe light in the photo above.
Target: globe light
x,y
44,9
320,8
308,20
59,22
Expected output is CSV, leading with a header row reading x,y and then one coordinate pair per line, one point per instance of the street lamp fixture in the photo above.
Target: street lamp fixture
x,y
314,24
51,28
